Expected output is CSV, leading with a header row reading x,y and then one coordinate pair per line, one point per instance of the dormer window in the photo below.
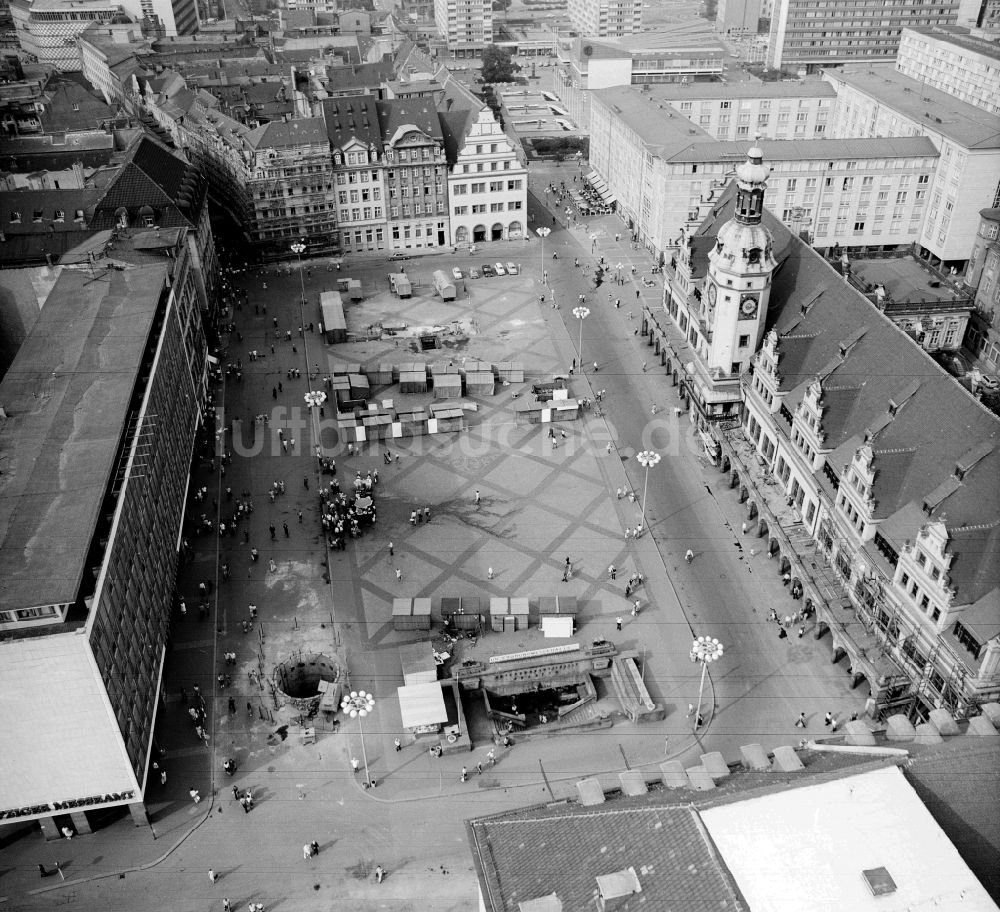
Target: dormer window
x,y
60,215
15,217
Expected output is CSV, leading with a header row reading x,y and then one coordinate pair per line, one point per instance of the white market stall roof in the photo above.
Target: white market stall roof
x,y
422,704
61,740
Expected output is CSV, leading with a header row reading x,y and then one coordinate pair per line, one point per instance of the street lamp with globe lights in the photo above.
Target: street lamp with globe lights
x,y
704,650
298,248
647,459
357,705
581,313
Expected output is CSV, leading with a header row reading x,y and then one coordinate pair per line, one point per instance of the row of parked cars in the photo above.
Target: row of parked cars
x,y
488,270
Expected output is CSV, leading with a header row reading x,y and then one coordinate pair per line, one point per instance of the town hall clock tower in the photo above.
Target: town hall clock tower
x,y
739,275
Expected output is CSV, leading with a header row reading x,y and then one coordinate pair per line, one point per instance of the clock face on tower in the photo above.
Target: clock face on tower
x,y
712,292
748,306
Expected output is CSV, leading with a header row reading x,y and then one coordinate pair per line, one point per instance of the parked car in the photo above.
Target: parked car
x,y
512,268
487,270
456,274
473,272
400,256
498,268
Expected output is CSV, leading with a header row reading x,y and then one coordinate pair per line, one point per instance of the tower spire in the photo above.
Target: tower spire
x,y
751,182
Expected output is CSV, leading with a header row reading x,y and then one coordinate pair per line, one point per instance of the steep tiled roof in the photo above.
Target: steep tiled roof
x,y
400,112
829,330
360,76
72,107
356,117
455,127
303,131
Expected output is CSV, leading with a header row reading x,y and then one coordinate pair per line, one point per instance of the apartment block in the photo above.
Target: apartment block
x,y
358,158
465,25
954,61
983,280
809,34
738,17
605,18
416,173
878,101
773,110
668,174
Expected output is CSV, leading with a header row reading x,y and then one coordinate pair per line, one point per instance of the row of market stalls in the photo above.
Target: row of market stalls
x,y
554,615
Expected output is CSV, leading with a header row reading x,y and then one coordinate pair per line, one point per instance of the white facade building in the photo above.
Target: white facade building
x,y
47,30
877,101
954,61
487,181
667,174
605,18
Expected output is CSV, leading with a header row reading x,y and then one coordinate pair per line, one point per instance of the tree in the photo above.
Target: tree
x,y
497,64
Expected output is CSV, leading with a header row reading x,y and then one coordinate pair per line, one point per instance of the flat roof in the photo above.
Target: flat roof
x,y
78,723
936,111
801,88
810,149
807,849
66,396
960,37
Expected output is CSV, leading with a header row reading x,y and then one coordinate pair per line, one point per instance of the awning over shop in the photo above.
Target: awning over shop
x,y
606,195
421,705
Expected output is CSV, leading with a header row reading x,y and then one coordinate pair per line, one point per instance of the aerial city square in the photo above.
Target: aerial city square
x,y
499,455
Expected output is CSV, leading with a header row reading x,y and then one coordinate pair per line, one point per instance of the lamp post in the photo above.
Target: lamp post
x,y
647,459
581,313
357,705
704,649
298,248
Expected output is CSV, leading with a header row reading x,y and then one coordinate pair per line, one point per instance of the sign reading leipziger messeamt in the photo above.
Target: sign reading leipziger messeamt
x,y
57,807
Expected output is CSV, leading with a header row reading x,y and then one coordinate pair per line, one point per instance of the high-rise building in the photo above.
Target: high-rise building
x,y
954,61
47,29
605,18
466,25
806,35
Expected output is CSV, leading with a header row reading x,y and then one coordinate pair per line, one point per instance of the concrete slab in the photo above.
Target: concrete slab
x,y
716,765
943,722
981,727
899,728
754,758
673,774
927,734
858,734
633,783
700,779
786,760
590,792
992,712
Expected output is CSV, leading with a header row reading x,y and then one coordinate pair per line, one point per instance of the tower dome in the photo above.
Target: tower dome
x,y
743,242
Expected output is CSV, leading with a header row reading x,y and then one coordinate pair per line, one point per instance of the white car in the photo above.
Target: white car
x,y
499,269
456,274
512,268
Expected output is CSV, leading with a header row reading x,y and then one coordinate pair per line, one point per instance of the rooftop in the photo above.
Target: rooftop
x,y
66,395
862,842
960,37
355,116
931,110
278,135
801,88
810,149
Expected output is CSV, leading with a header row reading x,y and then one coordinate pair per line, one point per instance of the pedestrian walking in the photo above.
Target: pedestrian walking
x,y
744,527
212,876
236,792
478,499
800,722
613,571
392,549
618,623
227,906
307,851
284,526
379,874
479,769
399,575
355,766
489,573
465,774
300,516
565,576
163,777
314,847
828,719
397,744
690,711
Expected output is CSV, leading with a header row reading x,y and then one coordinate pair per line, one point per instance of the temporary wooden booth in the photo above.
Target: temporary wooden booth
x,y
512,371
417,661
461,613
447,386
445,418
479,383
400,284
334,323
508,614
381,375
359,386
422,709
412,380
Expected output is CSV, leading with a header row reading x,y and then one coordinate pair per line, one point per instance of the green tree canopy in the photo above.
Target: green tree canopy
x,y
497,64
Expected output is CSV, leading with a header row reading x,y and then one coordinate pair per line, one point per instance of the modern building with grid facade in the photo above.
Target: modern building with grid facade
x,y
808,34
102,404
465,25
605,18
